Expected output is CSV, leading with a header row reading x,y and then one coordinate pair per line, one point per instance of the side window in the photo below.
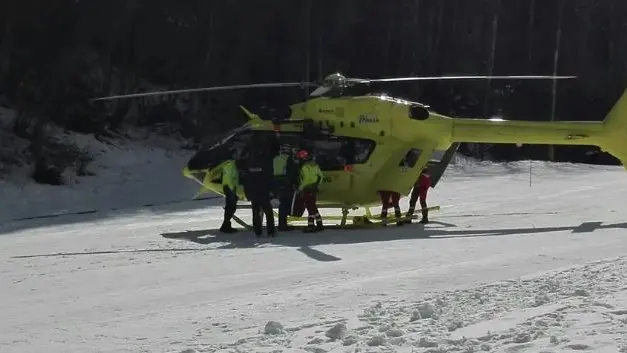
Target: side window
x,y
332,154
411,158
363,150
327,154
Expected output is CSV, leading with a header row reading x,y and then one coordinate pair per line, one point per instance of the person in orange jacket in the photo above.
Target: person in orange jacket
x,y
420,190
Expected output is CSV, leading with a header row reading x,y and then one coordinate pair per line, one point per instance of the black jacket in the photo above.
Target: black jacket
x,y
292,172
258,174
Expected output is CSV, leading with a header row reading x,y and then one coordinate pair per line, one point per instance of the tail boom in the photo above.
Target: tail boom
x,y
610,134
527,132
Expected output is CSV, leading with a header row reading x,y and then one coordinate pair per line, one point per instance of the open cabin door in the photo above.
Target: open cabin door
x,y
438,165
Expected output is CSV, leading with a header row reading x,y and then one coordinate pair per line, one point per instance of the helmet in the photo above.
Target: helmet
x,y
302,154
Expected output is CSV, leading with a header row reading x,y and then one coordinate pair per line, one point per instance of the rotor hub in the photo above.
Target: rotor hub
x,y
335,80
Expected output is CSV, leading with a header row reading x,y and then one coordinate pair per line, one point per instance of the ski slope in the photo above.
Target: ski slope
x,y
505,267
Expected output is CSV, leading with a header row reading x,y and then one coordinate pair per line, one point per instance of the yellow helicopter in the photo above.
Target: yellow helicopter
x,y
370,142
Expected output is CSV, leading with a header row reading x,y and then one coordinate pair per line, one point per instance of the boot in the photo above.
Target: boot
x,y
398,216
408,216
310,225
283,227
318,218
271,230
227,228
425,217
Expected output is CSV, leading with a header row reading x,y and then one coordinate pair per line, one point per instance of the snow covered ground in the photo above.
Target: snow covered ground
x,y
146,170
504,267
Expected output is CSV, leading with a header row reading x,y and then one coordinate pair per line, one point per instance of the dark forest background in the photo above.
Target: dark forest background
x,y
57,54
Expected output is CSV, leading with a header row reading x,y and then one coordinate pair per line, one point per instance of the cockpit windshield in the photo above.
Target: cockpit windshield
x,y
216,140
216,149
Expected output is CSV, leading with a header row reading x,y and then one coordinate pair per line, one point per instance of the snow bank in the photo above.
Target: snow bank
x,y
462,165
143,170
581,308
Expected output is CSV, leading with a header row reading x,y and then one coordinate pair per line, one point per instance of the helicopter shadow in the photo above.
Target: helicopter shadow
x,y
294,238
305,242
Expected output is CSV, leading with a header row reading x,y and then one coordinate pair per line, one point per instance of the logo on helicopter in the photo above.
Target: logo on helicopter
x,y
326,111
368,119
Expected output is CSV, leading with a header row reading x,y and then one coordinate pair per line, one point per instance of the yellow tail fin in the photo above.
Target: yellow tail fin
x,y
614,140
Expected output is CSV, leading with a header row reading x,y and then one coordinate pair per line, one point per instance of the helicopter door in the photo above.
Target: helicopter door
x,y
328,155
437,168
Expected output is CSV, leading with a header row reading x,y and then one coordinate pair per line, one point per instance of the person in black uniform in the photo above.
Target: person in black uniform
x,y
258,182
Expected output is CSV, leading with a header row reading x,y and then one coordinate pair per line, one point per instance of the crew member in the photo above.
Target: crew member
x,y
310,178
421,187
230,182
257,186
286,181
390,199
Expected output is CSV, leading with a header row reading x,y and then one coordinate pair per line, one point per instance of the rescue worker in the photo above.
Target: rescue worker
x,y
310,177
230,182
257,187
285,182
390,199
421,187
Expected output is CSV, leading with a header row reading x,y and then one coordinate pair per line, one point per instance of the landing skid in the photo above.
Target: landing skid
x,y
366,221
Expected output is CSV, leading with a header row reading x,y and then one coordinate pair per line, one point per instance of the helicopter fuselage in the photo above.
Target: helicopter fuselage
x,y
393,140
369,146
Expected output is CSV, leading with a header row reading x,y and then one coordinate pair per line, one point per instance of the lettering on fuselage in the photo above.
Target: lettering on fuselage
x,y
369,118
326,111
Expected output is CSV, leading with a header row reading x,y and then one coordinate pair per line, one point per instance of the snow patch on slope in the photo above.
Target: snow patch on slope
x,y
578,309
145,169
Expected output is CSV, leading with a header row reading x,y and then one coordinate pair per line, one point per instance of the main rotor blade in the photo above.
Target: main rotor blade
x,y
432,78
203,89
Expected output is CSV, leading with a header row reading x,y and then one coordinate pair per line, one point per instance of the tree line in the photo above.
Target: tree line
x,y
55,55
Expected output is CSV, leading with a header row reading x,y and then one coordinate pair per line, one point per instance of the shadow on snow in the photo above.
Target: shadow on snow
x,y
96,215
305,242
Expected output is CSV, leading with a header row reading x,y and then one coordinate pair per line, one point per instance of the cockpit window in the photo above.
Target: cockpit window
x,y
217,149
214,141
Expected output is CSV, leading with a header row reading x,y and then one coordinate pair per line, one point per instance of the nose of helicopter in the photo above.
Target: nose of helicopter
x,y
197,176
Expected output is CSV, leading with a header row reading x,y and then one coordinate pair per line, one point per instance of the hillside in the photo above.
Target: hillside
x,y
142,167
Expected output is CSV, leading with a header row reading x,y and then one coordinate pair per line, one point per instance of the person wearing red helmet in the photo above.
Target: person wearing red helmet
x,y
310,178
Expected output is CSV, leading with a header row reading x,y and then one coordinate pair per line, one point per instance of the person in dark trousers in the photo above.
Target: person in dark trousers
x,y
390,199
421,187
230,182
310,179
257,186
286,181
